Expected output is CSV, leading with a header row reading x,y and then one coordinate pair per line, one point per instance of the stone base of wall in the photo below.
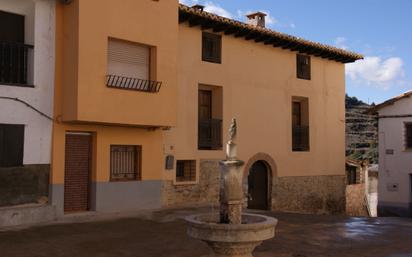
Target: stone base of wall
x,y
26,214
305,194
355,201
27,184
309,194
204,192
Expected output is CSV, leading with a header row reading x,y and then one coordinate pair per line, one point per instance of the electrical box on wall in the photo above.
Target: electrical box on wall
x,y
170,160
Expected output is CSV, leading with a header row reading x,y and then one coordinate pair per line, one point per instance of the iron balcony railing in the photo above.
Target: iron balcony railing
x,y
210,134
300,138
150,86
14,63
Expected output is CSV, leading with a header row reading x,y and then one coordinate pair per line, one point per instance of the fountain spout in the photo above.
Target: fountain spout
x,y
231,191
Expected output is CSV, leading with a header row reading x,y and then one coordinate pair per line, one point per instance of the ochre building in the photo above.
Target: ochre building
x,y
145,92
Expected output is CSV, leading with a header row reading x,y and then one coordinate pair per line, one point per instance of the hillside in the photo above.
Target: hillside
x,y
361,131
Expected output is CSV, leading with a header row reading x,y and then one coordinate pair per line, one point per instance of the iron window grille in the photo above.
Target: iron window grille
x,y
137,84
210,134
300,138
125,162
14,59
211,47
185,170
303,66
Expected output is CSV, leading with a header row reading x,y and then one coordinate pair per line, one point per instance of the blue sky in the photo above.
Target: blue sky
x,y
380,30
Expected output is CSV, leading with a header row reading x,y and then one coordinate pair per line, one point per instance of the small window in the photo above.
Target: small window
x,y
211,47
303,66
125,162
185,170
11,145
408,133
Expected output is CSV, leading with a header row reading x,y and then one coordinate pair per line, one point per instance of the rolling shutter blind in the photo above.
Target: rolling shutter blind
x,y
128,60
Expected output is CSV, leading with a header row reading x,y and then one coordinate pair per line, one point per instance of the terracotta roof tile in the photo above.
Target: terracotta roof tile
x,y
289,42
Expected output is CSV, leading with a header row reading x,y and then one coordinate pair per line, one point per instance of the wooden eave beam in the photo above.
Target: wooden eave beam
x,y
231,30
207,25
194,22
242,33
262,38
251,35
220,28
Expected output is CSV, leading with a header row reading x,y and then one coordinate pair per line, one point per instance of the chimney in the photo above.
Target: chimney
x,y
257,19
198,7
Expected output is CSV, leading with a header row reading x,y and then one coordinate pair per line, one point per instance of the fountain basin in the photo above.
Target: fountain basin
x,y
234,240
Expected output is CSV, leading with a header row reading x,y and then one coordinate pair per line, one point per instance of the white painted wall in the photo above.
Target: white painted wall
x,y
40,32
395,169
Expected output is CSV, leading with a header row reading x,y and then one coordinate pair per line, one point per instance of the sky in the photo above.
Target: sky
x,y
381,30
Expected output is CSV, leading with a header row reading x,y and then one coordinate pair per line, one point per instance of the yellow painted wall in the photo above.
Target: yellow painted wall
x,y
85,62
258,84
82,98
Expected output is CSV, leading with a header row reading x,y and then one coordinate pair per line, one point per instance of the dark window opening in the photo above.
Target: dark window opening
x,y
300,124
14,54
185,170
211,48
11,145
408,128
125,162
303,66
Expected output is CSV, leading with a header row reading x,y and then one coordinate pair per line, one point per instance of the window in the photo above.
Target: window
x,y
129,66
14,54
125,162
300,124
185,170
211,47
408,135
11,145
210,113
303,66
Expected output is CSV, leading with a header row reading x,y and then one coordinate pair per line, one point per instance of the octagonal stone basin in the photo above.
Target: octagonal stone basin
x,y
231,239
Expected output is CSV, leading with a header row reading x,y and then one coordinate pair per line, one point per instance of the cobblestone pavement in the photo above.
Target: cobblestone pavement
x,y
162,234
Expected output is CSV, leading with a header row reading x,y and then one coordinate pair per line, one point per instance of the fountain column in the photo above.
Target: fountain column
x,y
231,191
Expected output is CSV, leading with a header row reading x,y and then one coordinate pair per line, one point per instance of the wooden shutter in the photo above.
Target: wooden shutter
x,y
303,66
128,59
211,47
11,145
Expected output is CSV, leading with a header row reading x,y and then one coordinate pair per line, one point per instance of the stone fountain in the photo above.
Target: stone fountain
x,y
231,233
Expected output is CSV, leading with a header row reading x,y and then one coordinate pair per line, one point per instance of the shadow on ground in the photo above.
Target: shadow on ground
x,y
163,234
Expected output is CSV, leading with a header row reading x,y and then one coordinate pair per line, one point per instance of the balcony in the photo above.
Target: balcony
x,y
210,134
133,84
14,63
300,138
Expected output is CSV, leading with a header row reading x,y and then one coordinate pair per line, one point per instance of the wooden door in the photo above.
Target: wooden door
x,y
258,186
77,172
205,105
12,27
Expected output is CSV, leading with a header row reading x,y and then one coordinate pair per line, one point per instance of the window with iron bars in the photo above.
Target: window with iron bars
x,y
185,170
408,135
125,162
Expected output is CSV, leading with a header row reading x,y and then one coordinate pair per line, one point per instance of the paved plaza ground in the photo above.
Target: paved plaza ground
x,y
163,234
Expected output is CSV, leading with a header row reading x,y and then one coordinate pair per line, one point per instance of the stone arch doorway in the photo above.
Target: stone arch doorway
x,y
260,171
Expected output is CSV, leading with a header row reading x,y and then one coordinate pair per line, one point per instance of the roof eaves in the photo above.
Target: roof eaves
x,y
281,39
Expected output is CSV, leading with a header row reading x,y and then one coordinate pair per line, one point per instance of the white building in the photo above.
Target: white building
x,y
27,53
395,155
